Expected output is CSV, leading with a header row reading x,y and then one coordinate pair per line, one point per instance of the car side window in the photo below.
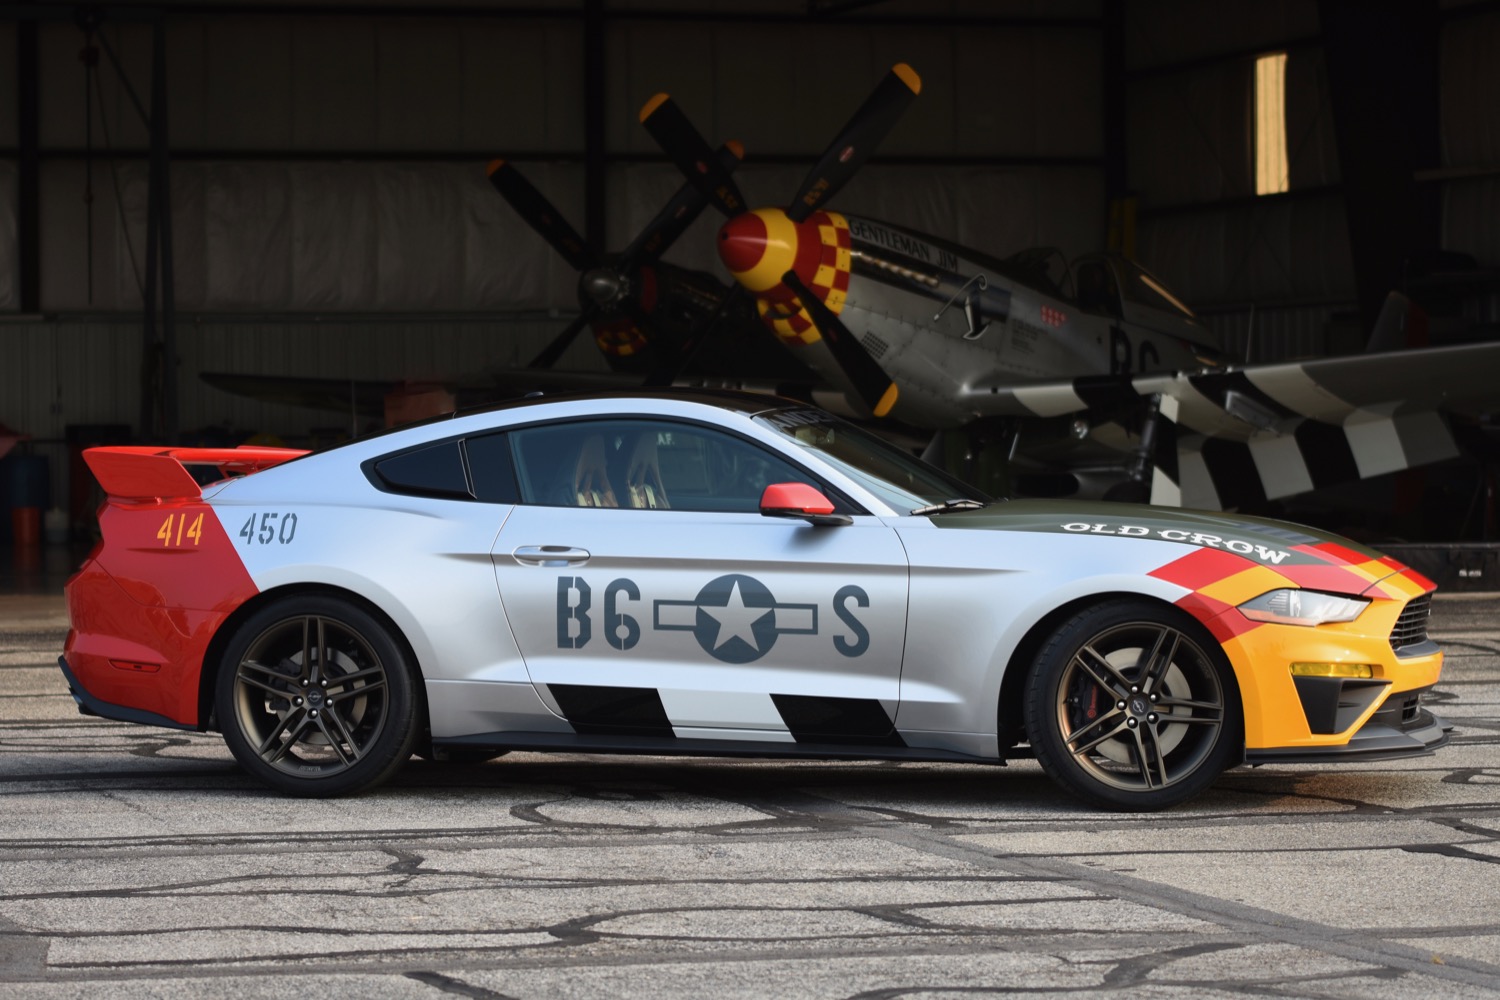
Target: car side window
x,y
645,465
490,469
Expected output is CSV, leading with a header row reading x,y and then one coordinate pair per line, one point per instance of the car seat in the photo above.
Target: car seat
x,y
591,486
643,482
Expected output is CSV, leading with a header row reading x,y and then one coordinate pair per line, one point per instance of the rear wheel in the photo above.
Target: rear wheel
x,y
1132,706
315,697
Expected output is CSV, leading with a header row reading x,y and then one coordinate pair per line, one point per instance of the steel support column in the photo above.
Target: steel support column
x,y
159,310
1119,204
594,156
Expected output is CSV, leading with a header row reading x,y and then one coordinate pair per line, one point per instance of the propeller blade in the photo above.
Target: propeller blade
x,y
687,148
548,355
869,379
539,214
853,146
676,215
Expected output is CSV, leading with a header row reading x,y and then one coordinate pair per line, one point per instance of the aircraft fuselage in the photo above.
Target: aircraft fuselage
x,y
946,323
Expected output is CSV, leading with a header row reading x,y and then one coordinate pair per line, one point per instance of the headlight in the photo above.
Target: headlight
x,y
1303,607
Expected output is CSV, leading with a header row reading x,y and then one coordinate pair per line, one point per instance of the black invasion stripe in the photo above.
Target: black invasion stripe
x,y
1233,472
854,721
1217,386
612,711
1325,450
1164,453
1107,392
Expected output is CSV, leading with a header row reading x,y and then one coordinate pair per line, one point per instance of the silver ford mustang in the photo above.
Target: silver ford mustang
x,y
727,574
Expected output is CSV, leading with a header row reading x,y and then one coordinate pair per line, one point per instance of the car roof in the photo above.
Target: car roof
x,y
733,400
736,400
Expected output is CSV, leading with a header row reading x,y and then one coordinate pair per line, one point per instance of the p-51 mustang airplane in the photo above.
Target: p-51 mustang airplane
x,y
948,337
1115,379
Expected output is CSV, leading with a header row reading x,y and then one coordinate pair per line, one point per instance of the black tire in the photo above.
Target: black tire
x,y
315,697
1131,705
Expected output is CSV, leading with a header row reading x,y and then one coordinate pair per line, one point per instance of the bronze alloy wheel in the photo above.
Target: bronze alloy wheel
x,y
1132,707
315,697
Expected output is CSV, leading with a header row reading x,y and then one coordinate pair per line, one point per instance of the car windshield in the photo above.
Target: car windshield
x,y
901,480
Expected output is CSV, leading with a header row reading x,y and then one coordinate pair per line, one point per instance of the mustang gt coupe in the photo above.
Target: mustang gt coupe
x,y
720,573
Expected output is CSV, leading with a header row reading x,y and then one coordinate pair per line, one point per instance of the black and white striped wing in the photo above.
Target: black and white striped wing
x,y
1270,431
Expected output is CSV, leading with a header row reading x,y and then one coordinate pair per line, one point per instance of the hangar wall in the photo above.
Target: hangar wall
x,y
331,213
1471,137
1269,273
336,163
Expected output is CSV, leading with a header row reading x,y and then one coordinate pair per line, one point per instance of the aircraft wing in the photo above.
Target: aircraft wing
x,y
339,395
1268,431
367,396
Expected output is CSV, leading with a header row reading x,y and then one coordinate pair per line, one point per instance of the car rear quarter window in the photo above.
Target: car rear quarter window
x,y
434,471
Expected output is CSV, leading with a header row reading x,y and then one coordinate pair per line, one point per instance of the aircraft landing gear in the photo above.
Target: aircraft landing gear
x,y
1137,489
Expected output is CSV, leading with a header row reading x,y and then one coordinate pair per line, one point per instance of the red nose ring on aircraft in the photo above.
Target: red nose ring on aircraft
x,y
759,247
742,242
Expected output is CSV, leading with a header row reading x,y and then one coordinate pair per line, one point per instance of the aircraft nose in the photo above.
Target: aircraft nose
x,y
759,247
742,242
601,285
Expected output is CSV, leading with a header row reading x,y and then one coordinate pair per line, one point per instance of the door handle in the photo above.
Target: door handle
x,y
550,555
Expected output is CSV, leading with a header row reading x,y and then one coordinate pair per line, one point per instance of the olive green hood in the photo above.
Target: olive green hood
x,y
1263,540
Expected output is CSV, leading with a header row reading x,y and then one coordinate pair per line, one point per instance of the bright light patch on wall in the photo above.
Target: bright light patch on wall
x,y
1270,124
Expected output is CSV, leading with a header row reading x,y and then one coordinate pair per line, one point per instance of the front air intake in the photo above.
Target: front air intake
x,y
1411,625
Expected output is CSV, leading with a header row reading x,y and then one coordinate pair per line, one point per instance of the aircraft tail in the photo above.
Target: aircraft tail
x,y
1401,324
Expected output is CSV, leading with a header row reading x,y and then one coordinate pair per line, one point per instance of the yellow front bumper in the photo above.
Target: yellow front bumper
x,y
1327,716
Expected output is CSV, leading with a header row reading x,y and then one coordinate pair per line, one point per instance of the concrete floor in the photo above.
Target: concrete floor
x,y
137,862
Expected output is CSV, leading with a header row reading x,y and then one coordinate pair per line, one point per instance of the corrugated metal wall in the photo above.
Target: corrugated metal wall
x,y
1283,333
1191,143
59,374
1471,136
283,243
395,233
272,224
1191,149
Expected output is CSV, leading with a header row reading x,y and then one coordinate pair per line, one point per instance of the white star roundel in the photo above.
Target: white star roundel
x,y
736,619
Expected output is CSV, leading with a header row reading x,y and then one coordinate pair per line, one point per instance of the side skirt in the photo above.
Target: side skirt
x,y
671,746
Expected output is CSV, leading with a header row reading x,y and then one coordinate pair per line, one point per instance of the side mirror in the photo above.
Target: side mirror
x,y
800,500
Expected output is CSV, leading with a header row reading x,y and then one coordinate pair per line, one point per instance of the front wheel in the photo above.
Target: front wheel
x,y
1131,705
315,697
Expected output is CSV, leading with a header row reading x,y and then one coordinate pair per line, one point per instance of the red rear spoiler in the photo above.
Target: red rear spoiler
x,y
151,472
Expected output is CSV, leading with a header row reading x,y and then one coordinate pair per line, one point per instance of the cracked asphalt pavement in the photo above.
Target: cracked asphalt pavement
x,y
139,862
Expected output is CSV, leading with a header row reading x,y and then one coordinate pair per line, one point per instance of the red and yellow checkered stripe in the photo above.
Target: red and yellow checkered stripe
x,y
827,259
1221,580
620,339
1261,653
